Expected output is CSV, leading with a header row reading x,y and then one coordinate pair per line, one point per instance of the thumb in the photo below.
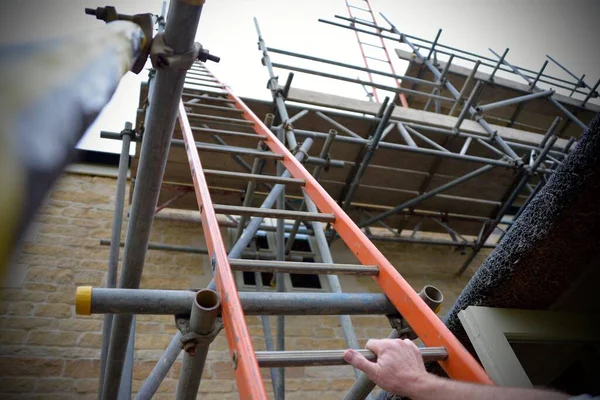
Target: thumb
x,y
359,361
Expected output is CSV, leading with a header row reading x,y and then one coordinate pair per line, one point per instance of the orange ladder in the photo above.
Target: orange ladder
x,y
458,363
378,52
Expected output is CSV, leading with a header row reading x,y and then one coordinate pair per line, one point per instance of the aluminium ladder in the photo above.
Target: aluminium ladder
x,y
378,52
321,208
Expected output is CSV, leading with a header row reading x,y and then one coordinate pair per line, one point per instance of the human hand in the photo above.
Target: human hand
x,y
399,367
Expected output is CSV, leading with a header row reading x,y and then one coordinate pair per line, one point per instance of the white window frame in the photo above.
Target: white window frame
x,y
491,330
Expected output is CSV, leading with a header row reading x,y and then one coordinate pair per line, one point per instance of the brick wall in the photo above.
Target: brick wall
x,y
47,352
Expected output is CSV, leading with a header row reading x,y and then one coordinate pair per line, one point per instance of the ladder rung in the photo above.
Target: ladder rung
x,y
235,150
211,107
213,118
202,77
209,98
361,9
273,213
202,84
372,45
291,267
230,133
254,177
378,59
199,68
304,358
363,20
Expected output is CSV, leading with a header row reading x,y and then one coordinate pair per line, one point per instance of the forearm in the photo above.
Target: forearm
x,y
432,387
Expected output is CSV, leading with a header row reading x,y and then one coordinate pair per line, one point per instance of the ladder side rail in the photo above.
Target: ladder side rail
x,y
362,53
402,96
248,377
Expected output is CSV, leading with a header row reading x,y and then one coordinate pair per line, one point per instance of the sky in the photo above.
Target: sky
x,y
567,30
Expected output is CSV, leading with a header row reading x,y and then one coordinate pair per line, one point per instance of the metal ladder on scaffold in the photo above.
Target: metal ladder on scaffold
x,y
410,313
321,208
376,52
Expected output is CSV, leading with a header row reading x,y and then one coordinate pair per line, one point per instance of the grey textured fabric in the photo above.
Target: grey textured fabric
x,y
554,240
549,246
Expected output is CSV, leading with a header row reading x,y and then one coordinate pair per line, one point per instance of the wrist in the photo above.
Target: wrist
x,y
423,384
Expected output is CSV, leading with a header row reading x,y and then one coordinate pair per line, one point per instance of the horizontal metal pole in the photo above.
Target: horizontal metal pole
x,y
427,195
569,114
428,128
233,150
304,358
303,267
355,67
199,250
273,213
514,100
491,63
401,147
171,302
392,89
424,241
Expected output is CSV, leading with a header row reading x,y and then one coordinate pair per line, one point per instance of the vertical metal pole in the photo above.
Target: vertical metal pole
x,y
316,173
591,94
487,127
459,99
127,380
526,175
255,222
539,75
264,319
363,386
113,255
160,370
332,280
256,169
562,108
279,277
160,122
436,90
371,147
273,85
434,43
205,309
499,64
465,146
467,106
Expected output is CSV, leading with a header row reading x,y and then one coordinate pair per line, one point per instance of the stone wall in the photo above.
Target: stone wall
x,y
47,352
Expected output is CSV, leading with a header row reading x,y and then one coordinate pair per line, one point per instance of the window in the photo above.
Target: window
x,y
265,243
249,278
304,281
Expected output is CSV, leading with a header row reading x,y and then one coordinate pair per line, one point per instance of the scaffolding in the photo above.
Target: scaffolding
x,y
263,164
